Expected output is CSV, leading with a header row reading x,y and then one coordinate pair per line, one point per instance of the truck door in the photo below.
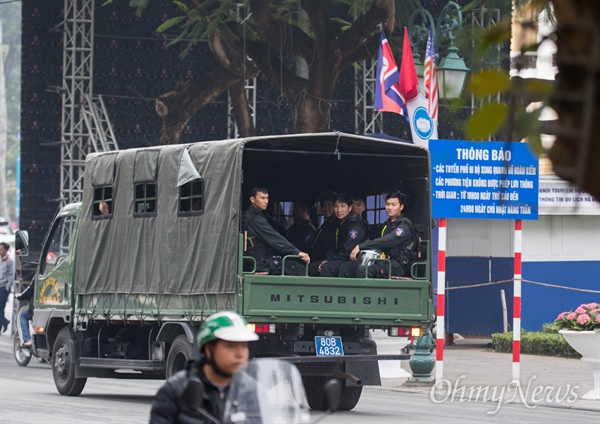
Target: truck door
x,y
56,264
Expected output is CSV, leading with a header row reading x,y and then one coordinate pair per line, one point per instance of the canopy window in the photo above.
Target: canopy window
x,y
191,186
103,178
144,179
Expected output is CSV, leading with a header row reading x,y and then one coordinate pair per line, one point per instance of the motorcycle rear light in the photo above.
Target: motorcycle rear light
x,y
39,330
262,328
404,331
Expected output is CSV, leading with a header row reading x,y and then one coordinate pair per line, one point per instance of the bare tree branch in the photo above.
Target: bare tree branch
x,y
178,106
270,65
362,28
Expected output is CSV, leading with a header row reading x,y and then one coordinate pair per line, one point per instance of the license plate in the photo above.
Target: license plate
x,y
329,346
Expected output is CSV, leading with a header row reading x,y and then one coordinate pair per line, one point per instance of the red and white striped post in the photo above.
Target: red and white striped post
x,y
516,365
441,301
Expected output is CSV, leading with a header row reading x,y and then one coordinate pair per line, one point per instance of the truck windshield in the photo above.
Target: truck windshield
x,y
59,244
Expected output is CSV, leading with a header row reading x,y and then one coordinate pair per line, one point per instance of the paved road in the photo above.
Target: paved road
x,y
28,395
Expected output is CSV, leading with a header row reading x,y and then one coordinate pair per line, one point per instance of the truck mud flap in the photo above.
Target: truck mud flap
x,y
357,370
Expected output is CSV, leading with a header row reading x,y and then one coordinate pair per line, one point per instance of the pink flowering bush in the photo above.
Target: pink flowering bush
x,y
585,318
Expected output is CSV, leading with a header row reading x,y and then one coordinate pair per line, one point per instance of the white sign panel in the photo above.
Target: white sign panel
x,y
557,197
422,127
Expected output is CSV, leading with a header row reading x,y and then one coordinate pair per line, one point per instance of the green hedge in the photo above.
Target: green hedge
x,y
546,343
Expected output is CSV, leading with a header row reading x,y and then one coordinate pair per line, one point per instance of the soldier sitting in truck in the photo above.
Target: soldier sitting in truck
x,y
351,230
325,238
264,243
302,232
398,241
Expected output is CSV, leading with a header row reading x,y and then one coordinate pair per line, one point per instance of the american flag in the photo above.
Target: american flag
x,y
429,75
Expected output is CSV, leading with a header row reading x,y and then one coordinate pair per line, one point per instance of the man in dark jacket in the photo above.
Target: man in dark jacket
x,y
223,341
264,243
302,232
351,230
325,238
398,241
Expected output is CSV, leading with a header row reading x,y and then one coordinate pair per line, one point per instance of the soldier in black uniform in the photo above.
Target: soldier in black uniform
x,y
264,243
325,238
359,205
302,232
399,242
350,231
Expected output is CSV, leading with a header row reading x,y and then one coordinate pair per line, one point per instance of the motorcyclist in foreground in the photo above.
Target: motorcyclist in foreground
x,y
223,342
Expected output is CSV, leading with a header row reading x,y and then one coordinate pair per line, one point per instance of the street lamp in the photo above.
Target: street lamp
x,y
451,71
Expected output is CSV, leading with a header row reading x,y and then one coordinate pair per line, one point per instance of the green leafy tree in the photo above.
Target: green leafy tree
x,y
574,95
294,44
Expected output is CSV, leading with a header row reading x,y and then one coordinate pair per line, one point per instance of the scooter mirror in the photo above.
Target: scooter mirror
x,y
21,243
193,394
333,394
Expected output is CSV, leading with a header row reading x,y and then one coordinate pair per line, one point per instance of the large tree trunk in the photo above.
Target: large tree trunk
x,y
576,153
324,46
241,109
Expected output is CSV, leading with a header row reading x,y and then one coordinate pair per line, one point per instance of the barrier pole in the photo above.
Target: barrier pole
x,y
516,348
441,299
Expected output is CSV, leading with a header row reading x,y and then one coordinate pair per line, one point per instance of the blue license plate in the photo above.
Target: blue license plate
x,y
329,346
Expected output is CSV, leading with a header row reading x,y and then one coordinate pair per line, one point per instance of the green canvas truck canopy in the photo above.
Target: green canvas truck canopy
x,y
167,253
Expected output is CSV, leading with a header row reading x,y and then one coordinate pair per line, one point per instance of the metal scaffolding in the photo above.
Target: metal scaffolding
x,y
84,122
366,120
486,18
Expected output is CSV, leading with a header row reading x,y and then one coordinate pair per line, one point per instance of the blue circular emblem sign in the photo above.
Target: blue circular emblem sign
x,y
422,123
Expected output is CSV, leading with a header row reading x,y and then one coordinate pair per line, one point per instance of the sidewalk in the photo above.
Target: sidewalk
x,y
473,371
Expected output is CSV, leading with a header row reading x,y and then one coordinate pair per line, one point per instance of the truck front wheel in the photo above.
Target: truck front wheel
x,y
63,366
179,355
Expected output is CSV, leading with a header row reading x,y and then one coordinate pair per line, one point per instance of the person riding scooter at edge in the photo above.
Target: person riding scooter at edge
x,y
223,342
26,315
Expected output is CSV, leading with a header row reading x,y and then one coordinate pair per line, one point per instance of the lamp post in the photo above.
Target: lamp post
x,y
451,70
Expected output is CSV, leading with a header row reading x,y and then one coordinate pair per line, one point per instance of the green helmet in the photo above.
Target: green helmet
x,y
225,325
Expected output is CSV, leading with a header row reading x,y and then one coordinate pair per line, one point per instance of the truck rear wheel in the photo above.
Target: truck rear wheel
x,y
63,366
350,397
179,355
314,388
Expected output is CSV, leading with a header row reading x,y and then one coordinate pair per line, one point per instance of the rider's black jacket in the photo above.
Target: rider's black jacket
x,y
169,407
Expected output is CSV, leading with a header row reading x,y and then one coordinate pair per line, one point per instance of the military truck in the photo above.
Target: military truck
x,y
127,276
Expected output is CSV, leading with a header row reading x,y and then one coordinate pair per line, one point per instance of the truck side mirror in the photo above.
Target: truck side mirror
x,y
21,243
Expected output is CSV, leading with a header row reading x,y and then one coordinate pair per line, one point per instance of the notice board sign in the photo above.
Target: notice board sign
x,y
487,179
